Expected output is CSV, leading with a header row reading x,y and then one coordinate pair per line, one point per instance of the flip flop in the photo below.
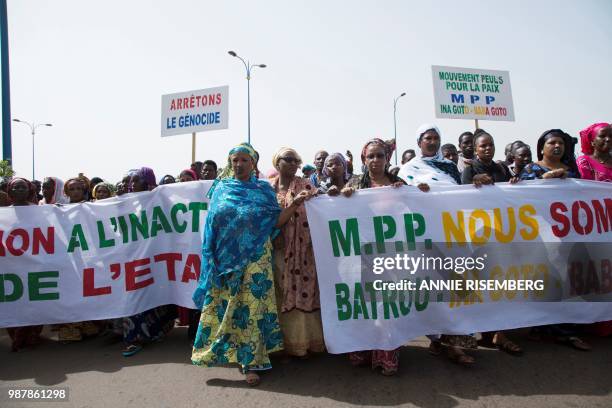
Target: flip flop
x,y
131,350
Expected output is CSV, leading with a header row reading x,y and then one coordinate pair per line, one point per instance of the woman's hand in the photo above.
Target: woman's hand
x,y
515,180
333,191
398,184
347,191
556,173
301,197
480,180
424,187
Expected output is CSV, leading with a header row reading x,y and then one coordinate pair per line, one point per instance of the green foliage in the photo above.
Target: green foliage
x,y
6,170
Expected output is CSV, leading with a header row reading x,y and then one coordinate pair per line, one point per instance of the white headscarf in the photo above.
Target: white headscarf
x,y
58,195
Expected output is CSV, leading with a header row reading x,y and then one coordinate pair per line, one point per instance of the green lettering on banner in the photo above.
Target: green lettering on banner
x,y
77,239
379,232
405,308
369,287
339,239
196,207
17,287
343,294
35,285
104,243
359,303
180,228
389,302
421,304
159,222
141,225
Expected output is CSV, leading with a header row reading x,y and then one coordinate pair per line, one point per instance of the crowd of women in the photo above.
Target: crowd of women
x,y
258,291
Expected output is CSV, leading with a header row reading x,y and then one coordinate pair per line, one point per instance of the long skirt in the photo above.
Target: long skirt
x,y
302,330
24,336
240,328
151,325
387,360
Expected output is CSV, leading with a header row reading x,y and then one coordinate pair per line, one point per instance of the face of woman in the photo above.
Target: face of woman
x,y
522,157
243,165
430,143
76,192
485,148
319,160
603,140
375,159
288,164
168,180
466,144
186,177
102,192
335,168
554,147
20,192
48,189
138,184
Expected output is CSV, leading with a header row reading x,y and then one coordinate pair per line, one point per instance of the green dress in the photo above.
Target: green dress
x,y
240,328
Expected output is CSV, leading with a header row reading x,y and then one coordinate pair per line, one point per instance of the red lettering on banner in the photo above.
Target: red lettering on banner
x,y
170,258
557,213
89,286
588,227
192,268
131,273
47,243
25,241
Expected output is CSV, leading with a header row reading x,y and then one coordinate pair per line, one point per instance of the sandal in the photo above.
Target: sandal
x,y
510,347
252,379
575,342
456,355
131,350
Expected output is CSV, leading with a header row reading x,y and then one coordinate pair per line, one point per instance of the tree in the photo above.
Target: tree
x,y
6,171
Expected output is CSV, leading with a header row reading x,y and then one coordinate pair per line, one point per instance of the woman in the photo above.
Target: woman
x,y
555,158
187,175
375,157
596,164
335,175
21,193
153,324
76,190
431,167
596,161
102,191
53,191
295,272
485,171
521,155
167,179
239,323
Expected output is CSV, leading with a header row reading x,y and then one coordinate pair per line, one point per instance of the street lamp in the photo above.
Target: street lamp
x,y
395,123
248,66
33,127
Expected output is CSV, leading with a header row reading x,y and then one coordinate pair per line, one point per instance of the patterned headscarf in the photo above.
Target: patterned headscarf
x,y
588,135
192,173
376,141
281,153
228,171
31,189
340,157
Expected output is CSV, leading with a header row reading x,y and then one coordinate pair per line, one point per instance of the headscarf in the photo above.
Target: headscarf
x,y
228,171
588,135
241,219
308,167
32,191
430,169
70,180
59,196
340,157
109,186
281,153
191,173
148,176
161,180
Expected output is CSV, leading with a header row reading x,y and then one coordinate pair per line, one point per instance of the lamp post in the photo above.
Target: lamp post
x,y
33,127
395,123
248,66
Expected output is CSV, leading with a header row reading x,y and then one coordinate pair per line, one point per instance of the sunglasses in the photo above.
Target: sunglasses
x,y
290,160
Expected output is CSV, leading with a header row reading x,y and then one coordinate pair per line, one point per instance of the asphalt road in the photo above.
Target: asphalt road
x,y
548,375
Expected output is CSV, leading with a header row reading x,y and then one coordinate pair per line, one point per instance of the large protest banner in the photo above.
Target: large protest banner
x,y
552,239
467,93
112,258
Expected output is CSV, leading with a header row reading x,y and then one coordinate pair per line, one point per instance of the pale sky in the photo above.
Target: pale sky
x,y
97,69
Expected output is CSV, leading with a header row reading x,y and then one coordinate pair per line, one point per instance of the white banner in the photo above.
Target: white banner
x,y
556,234
112,258
195,111
467,93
